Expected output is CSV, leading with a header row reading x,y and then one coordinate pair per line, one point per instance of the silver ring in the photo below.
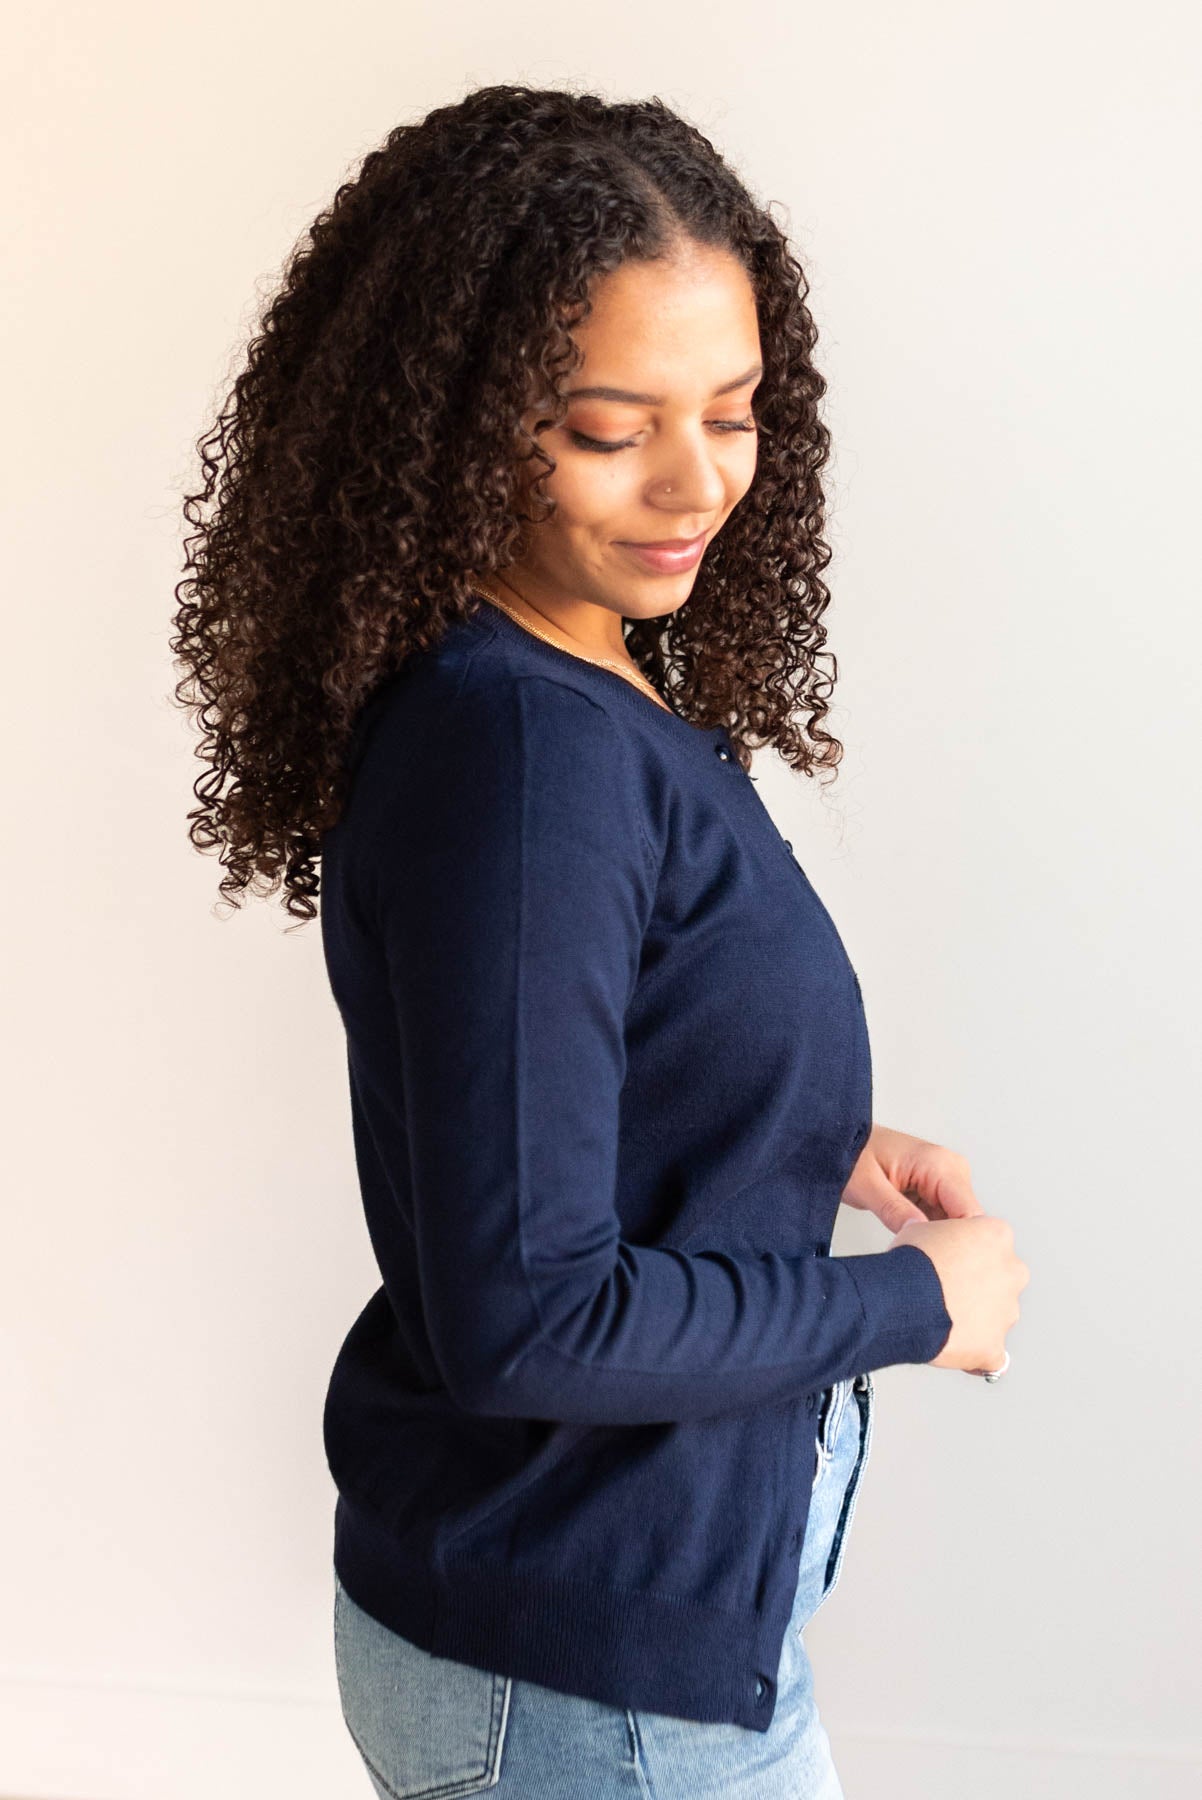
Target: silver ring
x,y
996,1374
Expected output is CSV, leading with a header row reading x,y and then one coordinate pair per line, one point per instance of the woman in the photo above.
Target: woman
x,y
515,558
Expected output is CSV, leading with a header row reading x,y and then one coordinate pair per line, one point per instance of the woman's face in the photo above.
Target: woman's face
x,y
667,452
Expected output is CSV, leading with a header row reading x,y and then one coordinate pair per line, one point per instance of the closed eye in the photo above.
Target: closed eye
x,y
604,448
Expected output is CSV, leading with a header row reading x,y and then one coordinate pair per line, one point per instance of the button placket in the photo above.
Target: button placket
x,y
724,753
793,858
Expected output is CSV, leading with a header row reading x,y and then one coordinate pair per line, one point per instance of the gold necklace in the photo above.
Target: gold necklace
x,y
602,662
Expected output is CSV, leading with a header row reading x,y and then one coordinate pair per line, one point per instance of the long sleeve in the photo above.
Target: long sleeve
x,y
511,884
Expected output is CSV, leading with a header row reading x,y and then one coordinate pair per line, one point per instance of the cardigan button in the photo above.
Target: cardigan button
x,y
722,752
762,1690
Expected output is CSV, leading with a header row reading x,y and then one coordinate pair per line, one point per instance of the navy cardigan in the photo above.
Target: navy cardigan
x,y
609,1073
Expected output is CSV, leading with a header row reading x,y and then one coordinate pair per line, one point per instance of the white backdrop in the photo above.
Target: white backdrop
x,y
996,213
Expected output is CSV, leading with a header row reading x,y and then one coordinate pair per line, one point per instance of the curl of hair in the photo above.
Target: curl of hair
x,y
370,459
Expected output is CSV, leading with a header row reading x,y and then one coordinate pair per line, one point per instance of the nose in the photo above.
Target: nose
x,y
690,481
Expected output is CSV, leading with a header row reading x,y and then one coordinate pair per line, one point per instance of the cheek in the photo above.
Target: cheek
x,y
742,469
591,494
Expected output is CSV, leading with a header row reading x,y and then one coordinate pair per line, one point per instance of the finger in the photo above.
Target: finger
x,y
961,1203
894,1210
948,1198
930,1209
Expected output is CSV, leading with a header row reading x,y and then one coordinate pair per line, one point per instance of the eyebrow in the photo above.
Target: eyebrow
x,y
623,395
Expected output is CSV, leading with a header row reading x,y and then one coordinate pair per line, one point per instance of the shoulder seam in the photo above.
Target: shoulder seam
x,y
623,751
443,726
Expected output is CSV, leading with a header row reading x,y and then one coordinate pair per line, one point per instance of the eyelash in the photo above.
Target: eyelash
x,y
603,448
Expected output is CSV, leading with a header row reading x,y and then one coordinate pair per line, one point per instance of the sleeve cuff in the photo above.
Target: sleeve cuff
x,y
902,1300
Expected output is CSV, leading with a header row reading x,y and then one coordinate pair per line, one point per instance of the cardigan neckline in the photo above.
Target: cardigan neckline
x,y
492,617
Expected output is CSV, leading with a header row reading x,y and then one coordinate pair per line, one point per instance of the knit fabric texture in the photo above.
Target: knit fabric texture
x,y
609,1073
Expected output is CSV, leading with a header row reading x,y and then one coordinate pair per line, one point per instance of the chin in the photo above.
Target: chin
x,y
658,609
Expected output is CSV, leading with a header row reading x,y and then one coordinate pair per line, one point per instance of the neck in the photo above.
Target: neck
x,y
594,630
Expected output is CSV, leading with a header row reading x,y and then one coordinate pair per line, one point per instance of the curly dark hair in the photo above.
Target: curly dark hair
x,y
370,459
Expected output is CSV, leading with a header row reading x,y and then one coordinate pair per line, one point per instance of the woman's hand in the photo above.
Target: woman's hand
x,y
900,1178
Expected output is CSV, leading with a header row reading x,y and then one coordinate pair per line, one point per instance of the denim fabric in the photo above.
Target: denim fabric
x,y
429,1728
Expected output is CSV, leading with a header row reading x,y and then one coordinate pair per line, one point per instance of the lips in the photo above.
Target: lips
x,y
671,557
679,545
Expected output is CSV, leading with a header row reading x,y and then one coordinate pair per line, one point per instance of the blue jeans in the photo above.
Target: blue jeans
x,y
429,1727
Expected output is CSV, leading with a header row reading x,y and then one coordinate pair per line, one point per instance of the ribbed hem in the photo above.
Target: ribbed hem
x,y
650,1652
